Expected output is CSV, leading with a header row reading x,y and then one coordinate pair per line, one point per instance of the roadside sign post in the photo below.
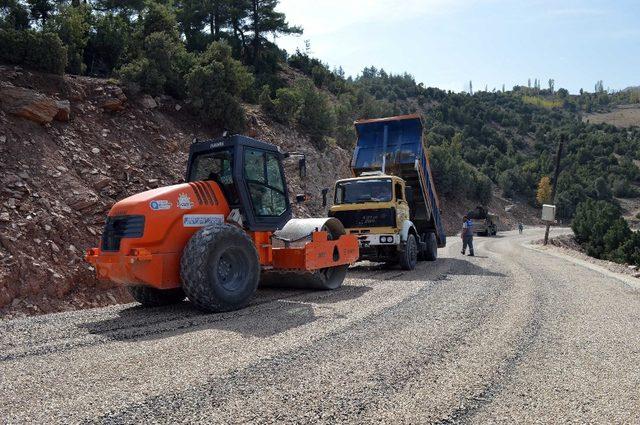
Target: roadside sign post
x,y
552,210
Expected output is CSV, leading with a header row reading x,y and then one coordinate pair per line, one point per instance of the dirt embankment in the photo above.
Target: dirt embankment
x,y
72,146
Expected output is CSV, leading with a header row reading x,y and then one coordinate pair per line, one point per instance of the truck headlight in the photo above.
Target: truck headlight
x,y
386,239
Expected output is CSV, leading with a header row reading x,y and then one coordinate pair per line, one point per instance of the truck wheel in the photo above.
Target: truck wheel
x,y
409,256
220,268
431,247
152,297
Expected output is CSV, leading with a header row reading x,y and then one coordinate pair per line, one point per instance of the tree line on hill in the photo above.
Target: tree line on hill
x,y
220,54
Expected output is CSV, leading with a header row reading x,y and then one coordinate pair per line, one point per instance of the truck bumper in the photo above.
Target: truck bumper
x,y
378,239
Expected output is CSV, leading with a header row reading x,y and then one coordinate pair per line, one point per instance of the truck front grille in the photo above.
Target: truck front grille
x,y
122,226
366,218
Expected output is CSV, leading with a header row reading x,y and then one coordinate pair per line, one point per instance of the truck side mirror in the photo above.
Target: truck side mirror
x,y
324,196
408,191
302,167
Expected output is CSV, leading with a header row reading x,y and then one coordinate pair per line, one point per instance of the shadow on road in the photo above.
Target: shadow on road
x,y
270,313
464,267
424,271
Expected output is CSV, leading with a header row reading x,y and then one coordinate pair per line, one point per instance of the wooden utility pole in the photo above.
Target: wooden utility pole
x,y
563,137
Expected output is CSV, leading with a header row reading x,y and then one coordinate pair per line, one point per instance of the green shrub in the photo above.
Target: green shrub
x,y
142,72
628,251
304,105
215,85
518,182
265,101
35,50
622,189
591,223
568,200
162,67
345,115
286,105
601,189
315,115
616,235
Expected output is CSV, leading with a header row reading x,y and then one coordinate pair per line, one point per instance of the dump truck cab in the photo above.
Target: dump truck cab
x,y
391,202
374,207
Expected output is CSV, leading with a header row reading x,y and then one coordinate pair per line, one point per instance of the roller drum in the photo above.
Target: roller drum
x,y
297,233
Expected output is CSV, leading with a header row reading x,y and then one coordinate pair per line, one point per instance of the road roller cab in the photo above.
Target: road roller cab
x,y
215,237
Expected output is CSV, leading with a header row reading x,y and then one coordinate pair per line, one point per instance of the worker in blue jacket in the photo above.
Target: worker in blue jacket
x,y
467,235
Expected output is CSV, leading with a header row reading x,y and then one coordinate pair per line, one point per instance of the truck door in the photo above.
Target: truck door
x,y
402,206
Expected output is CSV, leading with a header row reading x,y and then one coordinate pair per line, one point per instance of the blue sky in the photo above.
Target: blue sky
x,y
446,43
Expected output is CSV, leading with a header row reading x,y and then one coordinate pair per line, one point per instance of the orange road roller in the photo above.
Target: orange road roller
x,y
215,238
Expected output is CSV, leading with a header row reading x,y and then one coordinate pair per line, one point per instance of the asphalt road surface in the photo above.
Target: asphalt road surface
x,y
511,335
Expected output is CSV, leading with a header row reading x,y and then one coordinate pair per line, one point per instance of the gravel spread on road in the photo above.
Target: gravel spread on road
x,y
511,335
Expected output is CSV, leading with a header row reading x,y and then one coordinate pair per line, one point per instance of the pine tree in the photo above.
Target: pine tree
x,y
41,10
265,20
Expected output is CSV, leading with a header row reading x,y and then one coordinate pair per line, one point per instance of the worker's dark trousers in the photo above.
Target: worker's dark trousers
x,y
467,241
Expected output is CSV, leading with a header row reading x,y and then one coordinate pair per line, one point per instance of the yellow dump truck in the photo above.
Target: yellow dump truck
x,y
391,203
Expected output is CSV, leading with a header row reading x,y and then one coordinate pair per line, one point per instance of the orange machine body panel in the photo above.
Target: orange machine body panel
x,y
172,215
318,254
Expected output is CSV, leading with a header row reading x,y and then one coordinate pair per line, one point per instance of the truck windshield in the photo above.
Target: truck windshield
x,y
368,190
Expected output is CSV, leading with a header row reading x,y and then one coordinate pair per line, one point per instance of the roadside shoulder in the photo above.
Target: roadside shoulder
x,y
607,268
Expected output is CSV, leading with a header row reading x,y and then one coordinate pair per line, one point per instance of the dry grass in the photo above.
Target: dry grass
x,y
622,116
